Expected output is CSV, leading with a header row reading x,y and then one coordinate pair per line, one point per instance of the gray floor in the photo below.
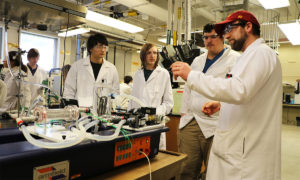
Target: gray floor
x,y
290,152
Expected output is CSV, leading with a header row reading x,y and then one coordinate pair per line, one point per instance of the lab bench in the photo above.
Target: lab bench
x,y
289,113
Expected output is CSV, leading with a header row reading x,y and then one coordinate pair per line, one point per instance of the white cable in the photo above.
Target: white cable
x,y
134,99
107,138
81,119
51,145
148,163
102,138
80,125
91,124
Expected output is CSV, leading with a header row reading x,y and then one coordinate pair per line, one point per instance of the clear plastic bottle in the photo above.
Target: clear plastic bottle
x,y
292,101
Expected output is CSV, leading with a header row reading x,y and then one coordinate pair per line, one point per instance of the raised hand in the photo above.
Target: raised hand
x,y
211,107
181,69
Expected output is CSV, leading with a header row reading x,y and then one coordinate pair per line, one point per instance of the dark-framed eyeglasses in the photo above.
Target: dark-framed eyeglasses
x,y
211,36
229,27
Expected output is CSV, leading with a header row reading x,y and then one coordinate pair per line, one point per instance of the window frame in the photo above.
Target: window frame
x,y
57,44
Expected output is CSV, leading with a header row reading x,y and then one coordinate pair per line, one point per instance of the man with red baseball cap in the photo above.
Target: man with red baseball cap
x,y
247,141
238,15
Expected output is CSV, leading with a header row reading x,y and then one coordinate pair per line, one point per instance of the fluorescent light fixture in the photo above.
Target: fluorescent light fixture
x,y
164,40
272,4
268,23
198,31
108,21
74,32
291,31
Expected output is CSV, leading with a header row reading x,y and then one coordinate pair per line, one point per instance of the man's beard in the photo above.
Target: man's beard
x,y
239,43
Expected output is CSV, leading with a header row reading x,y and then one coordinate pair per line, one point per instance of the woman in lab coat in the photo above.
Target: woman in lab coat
x,y
152,85
87,74
36,74
13,85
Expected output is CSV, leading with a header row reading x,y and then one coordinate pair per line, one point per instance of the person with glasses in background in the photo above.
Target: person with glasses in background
x,y
152,86
87,74
196,129
247,140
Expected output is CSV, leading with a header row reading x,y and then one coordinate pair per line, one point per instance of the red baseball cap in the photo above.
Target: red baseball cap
x,y
238,15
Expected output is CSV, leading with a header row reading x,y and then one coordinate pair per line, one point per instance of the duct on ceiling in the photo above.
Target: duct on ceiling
x,y
50,13
146,7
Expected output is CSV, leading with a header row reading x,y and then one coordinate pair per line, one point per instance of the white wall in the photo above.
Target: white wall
x,y
125,61
12,36
135,62
290,62
70,51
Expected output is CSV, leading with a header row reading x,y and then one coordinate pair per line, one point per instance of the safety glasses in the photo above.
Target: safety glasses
x,y
101,46
230,27
211,36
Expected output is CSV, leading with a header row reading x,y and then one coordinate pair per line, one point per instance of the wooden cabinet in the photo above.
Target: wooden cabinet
x,y
171,136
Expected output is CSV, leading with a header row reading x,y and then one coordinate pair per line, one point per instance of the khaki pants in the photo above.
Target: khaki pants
x,y
193,143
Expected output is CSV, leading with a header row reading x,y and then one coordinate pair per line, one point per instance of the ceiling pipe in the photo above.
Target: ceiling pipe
x,y
188,21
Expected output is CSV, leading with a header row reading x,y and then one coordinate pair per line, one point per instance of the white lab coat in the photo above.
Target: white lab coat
x,y
12,91
155,92
38,78
80,83
3,92
125,89
192,101
247,141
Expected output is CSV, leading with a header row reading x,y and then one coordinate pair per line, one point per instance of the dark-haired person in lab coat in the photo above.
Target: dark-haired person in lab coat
x,y
247,141
126,86
13,85
152,85
125,89
91,72
36,74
